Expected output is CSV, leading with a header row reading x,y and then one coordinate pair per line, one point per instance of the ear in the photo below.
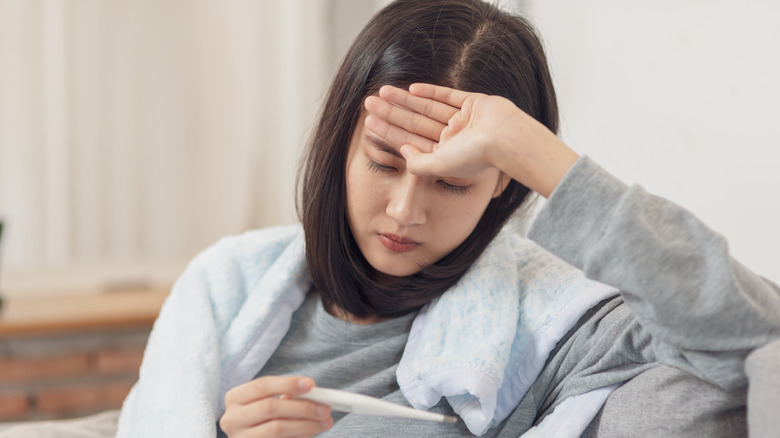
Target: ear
x,y
503,181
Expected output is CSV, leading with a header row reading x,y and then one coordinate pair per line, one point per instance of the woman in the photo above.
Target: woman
x,y
691,303
392,250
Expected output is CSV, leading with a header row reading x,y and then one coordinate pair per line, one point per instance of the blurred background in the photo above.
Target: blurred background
x,y
134,133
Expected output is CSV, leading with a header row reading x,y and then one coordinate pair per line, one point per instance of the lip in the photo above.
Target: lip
x,y
397,243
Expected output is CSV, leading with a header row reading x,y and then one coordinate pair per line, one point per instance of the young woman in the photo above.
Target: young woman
x,y
405,265
693,309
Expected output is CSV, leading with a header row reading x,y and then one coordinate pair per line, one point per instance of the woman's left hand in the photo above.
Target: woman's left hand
x,y
448,132
423,126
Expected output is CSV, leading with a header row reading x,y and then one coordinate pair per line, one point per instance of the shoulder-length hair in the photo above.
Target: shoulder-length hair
x,y
465,44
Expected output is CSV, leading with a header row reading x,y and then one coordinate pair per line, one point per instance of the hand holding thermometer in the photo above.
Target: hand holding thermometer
x,y
344,401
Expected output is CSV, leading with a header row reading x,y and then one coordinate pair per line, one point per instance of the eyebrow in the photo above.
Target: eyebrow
x,y
383,146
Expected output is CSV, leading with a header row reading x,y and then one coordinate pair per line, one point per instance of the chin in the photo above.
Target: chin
x,y
396,269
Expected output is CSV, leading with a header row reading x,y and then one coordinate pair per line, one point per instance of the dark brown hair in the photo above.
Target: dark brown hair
x,y
465,44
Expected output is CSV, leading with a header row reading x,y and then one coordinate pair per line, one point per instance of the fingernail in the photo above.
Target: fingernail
x,y
404,152
322,412
305,384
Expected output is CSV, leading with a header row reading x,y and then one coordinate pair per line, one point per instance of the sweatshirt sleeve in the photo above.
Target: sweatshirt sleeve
x,y
704,310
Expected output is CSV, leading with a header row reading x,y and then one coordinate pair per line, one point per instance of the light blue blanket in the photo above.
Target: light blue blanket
x,y
482,344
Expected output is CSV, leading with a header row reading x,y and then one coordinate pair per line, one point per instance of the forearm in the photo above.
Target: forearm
x,y
530,154
675,273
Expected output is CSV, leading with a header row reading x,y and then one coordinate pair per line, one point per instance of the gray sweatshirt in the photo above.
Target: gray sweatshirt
x,y
687,317
703,311
694,310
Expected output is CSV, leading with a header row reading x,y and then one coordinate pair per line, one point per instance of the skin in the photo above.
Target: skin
x,y
265,407
456,133
385,199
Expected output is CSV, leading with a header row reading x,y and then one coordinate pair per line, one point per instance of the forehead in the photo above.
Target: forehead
x,y
381,144
357,134
362,132
361,136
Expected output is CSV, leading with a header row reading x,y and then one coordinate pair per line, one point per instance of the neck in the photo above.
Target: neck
x,y
340,313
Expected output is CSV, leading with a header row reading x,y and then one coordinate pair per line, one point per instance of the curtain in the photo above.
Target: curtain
x,y
140,131
135,133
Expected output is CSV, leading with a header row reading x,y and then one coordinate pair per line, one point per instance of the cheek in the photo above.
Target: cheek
x,y
457,219
463,219
362,196
353,195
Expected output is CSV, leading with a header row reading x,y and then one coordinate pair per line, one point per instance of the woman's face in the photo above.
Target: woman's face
x,y
403,222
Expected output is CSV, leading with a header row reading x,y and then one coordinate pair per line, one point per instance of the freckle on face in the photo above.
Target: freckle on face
x,y
449,219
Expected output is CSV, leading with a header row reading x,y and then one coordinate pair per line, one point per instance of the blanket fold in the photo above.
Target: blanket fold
x,y
484,342
481,344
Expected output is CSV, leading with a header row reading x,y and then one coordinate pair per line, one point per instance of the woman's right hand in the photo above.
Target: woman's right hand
x,y
266,407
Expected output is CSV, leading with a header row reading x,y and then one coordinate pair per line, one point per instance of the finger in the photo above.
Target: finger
x,y
268,386
438,111
404,118
397,136
291,428
418,162
447,95
270,409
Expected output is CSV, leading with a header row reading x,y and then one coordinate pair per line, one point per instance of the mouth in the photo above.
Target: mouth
x,y
397,243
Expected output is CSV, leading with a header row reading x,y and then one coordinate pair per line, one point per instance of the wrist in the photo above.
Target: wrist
x,y
559,161
503,149
539,160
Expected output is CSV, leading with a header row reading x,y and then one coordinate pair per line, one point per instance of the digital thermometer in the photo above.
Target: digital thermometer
x,y
344,401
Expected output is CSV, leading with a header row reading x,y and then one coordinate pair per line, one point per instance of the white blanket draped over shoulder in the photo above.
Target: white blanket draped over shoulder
x,y
481,344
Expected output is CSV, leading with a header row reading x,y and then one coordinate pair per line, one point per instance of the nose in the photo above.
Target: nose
x,y
406,205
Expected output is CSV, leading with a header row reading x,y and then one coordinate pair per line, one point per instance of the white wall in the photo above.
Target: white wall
x,y
681,97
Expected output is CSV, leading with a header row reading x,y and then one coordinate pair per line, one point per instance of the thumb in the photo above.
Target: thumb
x,y
418,162
408,151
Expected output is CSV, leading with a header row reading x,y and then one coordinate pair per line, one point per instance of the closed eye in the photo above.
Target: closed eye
x,y
455,190
451,188
379,168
